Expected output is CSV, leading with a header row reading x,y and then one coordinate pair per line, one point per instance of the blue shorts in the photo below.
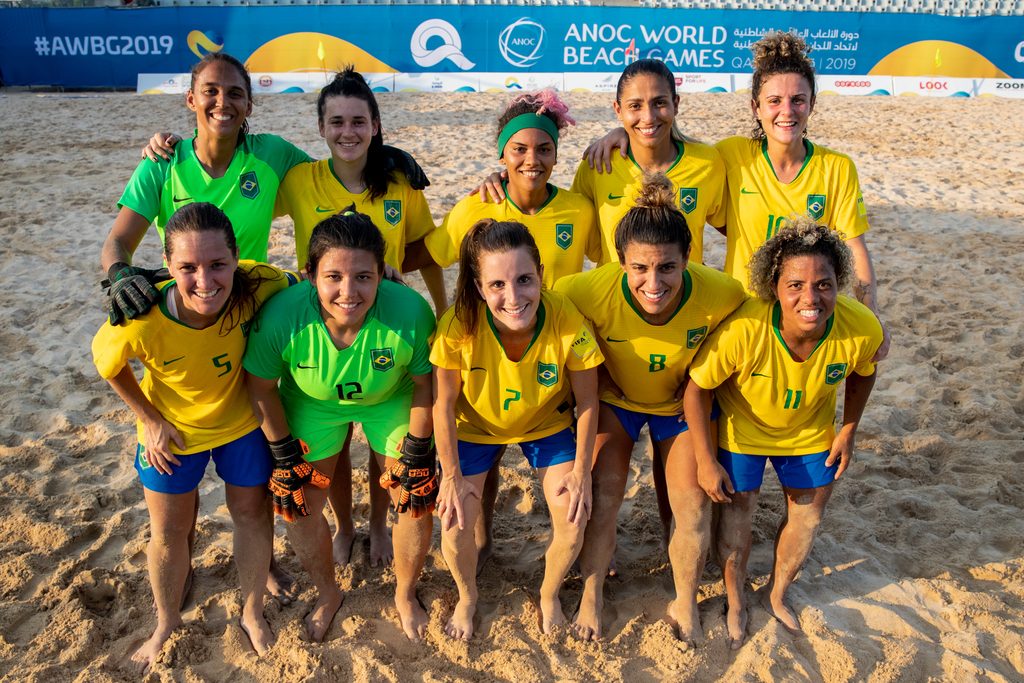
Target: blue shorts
x,y
661,426
243,462
793,471
477,458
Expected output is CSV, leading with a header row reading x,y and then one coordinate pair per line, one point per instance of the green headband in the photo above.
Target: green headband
x,y
522,122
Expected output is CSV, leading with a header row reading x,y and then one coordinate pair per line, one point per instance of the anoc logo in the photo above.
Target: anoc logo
x,y
249,185
815,206
687,199
382,359
521,43
563,235
835,373
547,374
450,47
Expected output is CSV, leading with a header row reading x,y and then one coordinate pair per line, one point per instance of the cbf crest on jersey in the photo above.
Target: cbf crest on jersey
x,y
816,206
393,211
695,336
547,374
382,359
563,235
835,373
249,185
687,199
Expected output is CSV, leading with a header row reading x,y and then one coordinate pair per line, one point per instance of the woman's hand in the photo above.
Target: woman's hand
x,y
715,481
578,486
158,435
160,146
454,490
598,153
842,451
491,190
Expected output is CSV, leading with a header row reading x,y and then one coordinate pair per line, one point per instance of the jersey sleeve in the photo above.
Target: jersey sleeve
x,y
716,206
583,181
717,359
717,212
278,153
420,223
445,351
444,241
874,335
112,348
593,228
424,330
851,214
268,340
142,194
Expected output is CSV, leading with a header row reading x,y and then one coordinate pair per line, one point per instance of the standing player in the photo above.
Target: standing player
x,y
563,223
651,312
192,405
511,360
775,366
347,346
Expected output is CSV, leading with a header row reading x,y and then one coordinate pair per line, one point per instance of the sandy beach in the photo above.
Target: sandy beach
x,y
917,575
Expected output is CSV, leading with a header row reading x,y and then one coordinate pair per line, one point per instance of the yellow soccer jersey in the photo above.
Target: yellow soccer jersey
x,y
698,177
649,362
757,204
565,229
772,404
192,377
508,402
311,192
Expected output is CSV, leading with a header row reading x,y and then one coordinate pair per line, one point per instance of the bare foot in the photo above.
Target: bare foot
x,y
551,614
381,550
777,607
257,630
483,555
280,584
319,619
587,624
147,653
342,544
414,617
684,616
736,623
460,626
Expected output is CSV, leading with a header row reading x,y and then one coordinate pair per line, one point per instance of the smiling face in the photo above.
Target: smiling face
x,y
348,128
783,107
647,109
529,156
346,283
220,99
510,285
654,274
203,268
807,292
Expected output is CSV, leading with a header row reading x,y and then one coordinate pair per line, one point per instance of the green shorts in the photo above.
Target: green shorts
x,y
324,426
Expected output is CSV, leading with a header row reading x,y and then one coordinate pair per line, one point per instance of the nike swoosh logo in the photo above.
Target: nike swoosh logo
x,y
613,341
744,190
305,367
320,210
173,360
182,199
477,367
615,196
758,374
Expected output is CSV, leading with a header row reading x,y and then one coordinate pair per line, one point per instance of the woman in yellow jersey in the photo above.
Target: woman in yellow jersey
x,y
775,366
778,172
192,405
651,311
511,360
563,223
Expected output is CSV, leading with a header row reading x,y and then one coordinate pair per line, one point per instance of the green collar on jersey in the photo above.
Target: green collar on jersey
x,y
687,291
777,318
330,165
679,156
536,330
552,191
808,147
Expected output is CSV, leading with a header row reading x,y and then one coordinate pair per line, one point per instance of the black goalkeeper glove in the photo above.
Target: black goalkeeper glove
x,y
416,473
399,160
131,292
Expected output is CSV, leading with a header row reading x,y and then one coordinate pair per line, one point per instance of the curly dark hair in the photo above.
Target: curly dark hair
x,y
801,236
776,53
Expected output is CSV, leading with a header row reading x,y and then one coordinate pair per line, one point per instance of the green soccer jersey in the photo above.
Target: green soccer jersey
x,y
290,341
246,192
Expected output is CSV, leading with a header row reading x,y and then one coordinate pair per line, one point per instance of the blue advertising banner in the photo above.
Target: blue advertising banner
x,y
104,47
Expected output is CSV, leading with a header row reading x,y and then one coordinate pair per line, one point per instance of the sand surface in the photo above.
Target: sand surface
x,y
918,573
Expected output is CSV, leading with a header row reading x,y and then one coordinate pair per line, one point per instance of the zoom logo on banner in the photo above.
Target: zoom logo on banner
x,y
521,43
450,47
